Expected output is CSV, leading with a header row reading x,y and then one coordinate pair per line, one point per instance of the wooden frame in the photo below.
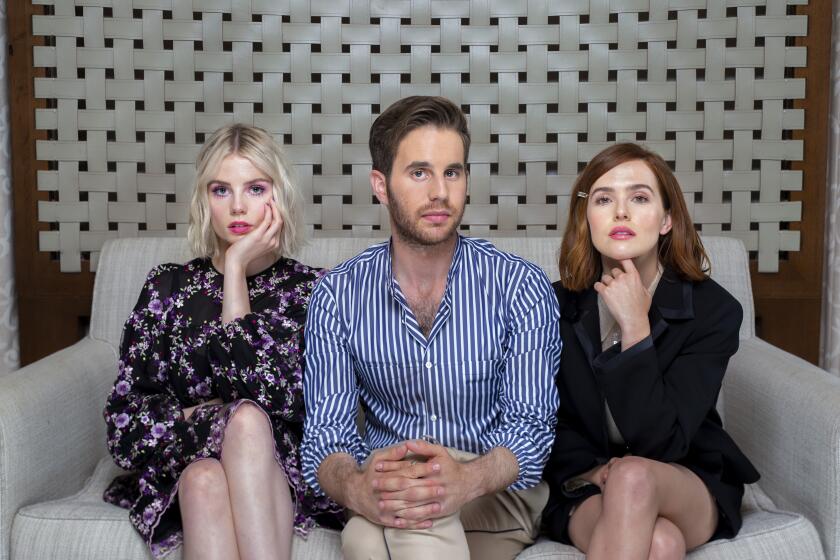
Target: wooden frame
x,y
53,307
788,304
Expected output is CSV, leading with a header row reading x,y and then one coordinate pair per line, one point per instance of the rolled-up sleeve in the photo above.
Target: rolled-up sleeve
x,y
529,398
330,389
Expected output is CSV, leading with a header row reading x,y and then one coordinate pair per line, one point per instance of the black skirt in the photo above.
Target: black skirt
x,y
728,497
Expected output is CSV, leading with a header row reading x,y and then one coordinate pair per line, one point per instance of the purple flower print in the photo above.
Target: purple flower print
x,y
149,515
202,389
123,387
122,420
155,306
158,430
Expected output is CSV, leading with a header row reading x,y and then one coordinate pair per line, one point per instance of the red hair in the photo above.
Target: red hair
x,y
680,249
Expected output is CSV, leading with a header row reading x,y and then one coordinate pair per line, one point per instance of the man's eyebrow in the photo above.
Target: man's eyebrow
x,y
416,164
420,164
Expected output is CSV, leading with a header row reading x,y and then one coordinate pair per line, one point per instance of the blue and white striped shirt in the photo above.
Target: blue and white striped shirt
x,y
484,378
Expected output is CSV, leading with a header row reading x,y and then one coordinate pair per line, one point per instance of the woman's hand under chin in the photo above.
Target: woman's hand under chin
x,y
258,247
255,251
628,300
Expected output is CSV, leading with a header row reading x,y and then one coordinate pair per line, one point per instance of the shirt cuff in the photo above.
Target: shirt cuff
x,y
313,457
530,473
614,357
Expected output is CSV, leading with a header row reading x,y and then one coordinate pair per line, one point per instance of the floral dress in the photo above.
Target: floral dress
x,y
176,353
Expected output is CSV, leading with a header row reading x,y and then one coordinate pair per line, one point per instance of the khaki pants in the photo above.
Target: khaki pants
x,y
496,526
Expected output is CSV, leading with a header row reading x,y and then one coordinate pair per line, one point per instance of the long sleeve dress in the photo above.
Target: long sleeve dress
x,y
176,353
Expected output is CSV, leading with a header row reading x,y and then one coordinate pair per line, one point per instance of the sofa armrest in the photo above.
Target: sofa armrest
x,y
785,415
51,429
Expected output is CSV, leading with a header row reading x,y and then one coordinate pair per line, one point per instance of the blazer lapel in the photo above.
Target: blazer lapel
x,y
586,323
672,301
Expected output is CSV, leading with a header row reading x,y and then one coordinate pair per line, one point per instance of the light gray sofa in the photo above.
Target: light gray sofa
x,y
784,412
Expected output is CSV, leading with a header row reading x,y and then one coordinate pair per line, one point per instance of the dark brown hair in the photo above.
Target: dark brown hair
x,y
680,249
410,113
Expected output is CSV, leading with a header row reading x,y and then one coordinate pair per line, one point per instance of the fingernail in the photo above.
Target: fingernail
x,y
436,467
378,466
439,491
375,483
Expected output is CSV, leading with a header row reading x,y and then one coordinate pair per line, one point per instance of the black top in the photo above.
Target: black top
x,y
661,392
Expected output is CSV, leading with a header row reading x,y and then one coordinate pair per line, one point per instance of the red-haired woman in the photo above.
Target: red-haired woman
x,y
641,465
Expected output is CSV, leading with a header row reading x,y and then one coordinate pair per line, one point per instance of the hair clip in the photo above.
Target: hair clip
x,y
582,194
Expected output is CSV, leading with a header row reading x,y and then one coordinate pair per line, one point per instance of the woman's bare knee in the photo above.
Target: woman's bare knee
x,y
633,480
667,542
249,422
202,481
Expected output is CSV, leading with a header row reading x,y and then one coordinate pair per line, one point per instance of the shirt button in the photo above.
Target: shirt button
x,y
428,365
433,418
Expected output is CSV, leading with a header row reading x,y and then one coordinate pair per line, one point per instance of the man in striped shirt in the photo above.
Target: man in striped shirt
x,y
451,347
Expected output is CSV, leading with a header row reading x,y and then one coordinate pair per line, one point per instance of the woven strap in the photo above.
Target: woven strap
x,y
133,88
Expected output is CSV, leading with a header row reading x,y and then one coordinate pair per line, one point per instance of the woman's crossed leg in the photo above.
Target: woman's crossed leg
x,y
647,510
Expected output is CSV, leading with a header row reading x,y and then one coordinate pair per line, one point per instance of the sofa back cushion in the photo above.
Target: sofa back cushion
x,y
125,263
123,267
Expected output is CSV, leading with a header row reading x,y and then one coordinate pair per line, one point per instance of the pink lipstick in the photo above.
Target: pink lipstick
x,y
621,233
239,228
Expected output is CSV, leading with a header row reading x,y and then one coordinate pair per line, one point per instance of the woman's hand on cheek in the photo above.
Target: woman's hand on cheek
x,y
627,299
261,240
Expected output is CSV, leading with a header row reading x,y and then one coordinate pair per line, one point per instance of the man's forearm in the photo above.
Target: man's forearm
x,y
336,476
492,472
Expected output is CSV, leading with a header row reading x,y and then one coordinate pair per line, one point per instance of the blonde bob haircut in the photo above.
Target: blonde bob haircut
x,y
258,146
680,249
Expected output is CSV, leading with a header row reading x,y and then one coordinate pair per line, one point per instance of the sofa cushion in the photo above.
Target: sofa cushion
x,y
83,527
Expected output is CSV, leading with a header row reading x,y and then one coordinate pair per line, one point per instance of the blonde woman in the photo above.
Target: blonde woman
x,y
207,408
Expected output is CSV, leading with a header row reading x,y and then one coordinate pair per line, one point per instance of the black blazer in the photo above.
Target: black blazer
x,y
662,394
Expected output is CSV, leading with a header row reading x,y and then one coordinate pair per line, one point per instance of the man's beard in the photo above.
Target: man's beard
x,y
407,228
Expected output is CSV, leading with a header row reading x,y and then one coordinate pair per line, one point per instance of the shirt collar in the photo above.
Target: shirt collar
x,y
457,257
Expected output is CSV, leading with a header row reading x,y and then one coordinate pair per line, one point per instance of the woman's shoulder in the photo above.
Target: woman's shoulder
x,y
559,289
183,269
714,305
564,295
170,276
302,273
709,292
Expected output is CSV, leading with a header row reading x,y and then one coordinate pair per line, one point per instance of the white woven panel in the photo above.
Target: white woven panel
x,y
133,87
